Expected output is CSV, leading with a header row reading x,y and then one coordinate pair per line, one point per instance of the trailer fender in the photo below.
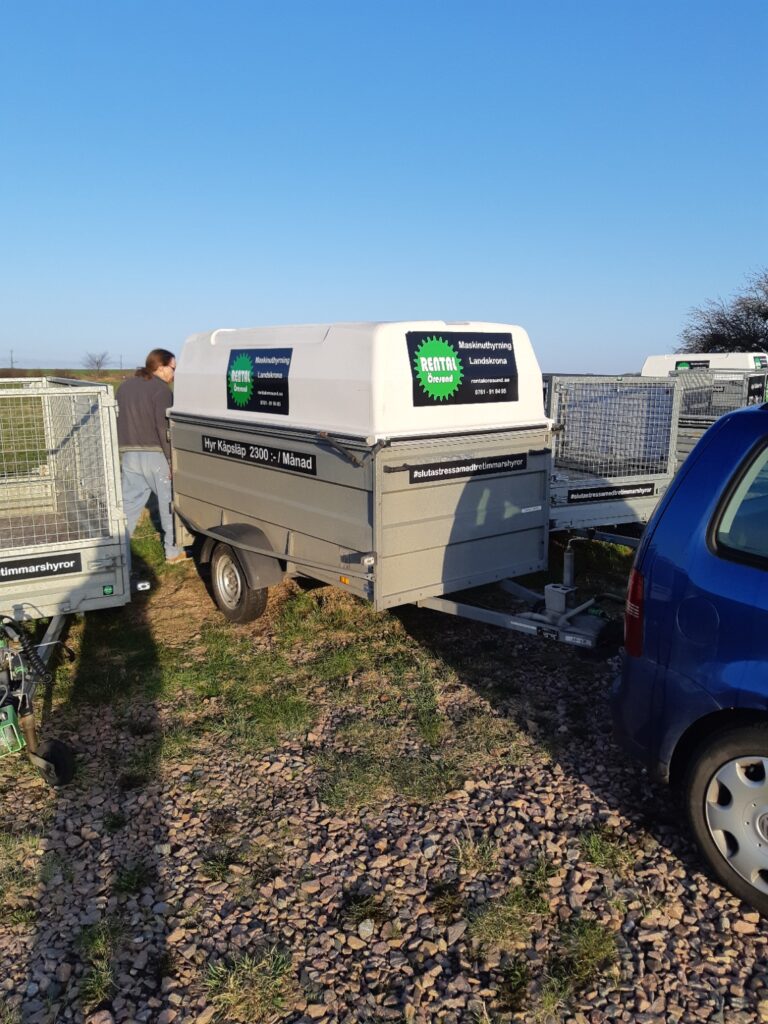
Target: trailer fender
x,y
260,570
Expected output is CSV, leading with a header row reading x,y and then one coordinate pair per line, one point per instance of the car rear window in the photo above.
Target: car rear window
x,y
743,527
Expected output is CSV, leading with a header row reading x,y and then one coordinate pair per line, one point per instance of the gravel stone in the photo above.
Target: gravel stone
x,y
238,854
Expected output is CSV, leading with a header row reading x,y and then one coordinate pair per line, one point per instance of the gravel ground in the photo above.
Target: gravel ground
x,y
374,913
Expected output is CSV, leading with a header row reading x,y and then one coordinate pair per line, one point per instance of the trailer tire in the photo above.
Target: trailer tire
x,y
61,762
236,600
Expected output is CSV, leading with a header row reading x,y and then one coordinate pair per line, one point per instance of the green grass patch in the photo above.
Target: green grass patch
x,y
353,780
551,1001
252,988
262,861
376,735
255,722
359,907
219,856
513,988
484,740
507,922
476,855
182,739
98,944
147,547
114,821
430,723
22,916
132,878
216,864
586,950
337,663
15,848
52,866
423,779
142,766
117,661
447,901
605,850
357,779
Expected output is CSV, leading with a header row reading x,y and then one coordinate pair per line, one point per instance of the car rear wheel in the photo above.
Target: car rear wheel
x,y
235,598
727,801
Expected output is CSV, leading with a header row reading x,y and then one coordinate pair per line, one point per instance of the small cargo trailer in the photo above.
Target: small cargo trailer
x,y
711,384
63,542
401,462
706,395
614,441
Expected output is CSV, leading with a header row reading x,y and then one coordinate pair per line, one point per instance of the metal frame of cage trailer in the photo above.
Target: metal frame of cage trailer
x,y
706,395
614,445
63,541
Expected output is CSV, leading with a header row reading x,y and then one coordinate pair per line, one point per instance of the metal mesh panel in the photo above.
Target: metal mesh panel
x,y
53,485
712,393
612,426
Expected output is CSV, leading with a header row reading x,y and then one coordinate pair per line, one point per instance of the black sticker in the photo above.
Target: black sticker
x,y
451,368
260,455
257,380
40,566
587,494
432,471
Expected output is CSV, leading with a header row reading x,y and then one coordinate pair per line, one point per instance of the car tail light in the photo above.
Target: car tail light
x,y
633,615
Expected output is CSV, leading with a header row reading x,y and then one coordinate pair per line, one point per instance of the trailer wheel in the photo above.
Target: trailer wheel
x,y
237,601
60,759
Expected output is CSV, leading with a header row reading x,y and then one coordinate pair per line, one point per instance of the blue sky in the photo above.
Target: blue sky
x,y
590,170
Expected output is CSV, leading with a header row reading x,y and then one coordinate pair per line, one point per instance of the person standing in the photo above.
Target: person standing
x,y
145,452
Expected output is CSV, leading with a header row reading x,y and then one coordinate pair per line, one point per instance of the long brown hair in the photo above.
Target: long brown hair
x,y
157,357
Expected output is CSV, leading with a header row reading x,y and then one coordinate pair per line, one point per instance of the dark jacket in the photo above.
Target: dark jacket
x,y
141,420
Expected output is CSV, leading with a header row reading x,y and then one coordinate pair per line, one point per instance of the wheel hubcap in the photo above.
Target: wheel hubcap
x,y
736,809
228,582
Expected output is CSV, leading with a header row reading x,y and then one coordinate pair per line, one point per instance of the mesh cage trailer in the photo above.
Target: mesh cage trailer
x,y
613,449
706,395
63,542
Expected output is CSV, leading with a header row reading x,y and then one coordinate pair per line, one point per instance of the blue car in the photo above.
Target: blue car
x,y
692,699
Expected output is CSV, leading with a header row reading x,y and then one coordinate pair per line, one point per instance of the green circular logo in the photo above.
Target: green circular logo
x,y
240,379
438,368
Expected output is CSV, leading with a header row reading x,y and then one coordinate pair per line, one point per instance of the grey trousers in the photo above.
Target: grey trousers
x,y
145,473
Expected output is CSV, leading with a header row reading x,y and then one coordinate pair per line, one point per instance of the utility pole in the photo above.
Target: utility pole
x,y
11,358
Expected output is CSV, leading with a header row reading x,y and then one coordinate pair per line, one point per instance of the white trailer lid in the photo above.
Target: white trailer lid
x,y
662,366
371,380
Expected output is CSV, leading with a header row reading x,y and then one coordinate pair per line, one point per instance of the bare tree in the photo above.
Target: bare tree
x,y
96,360
738,325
